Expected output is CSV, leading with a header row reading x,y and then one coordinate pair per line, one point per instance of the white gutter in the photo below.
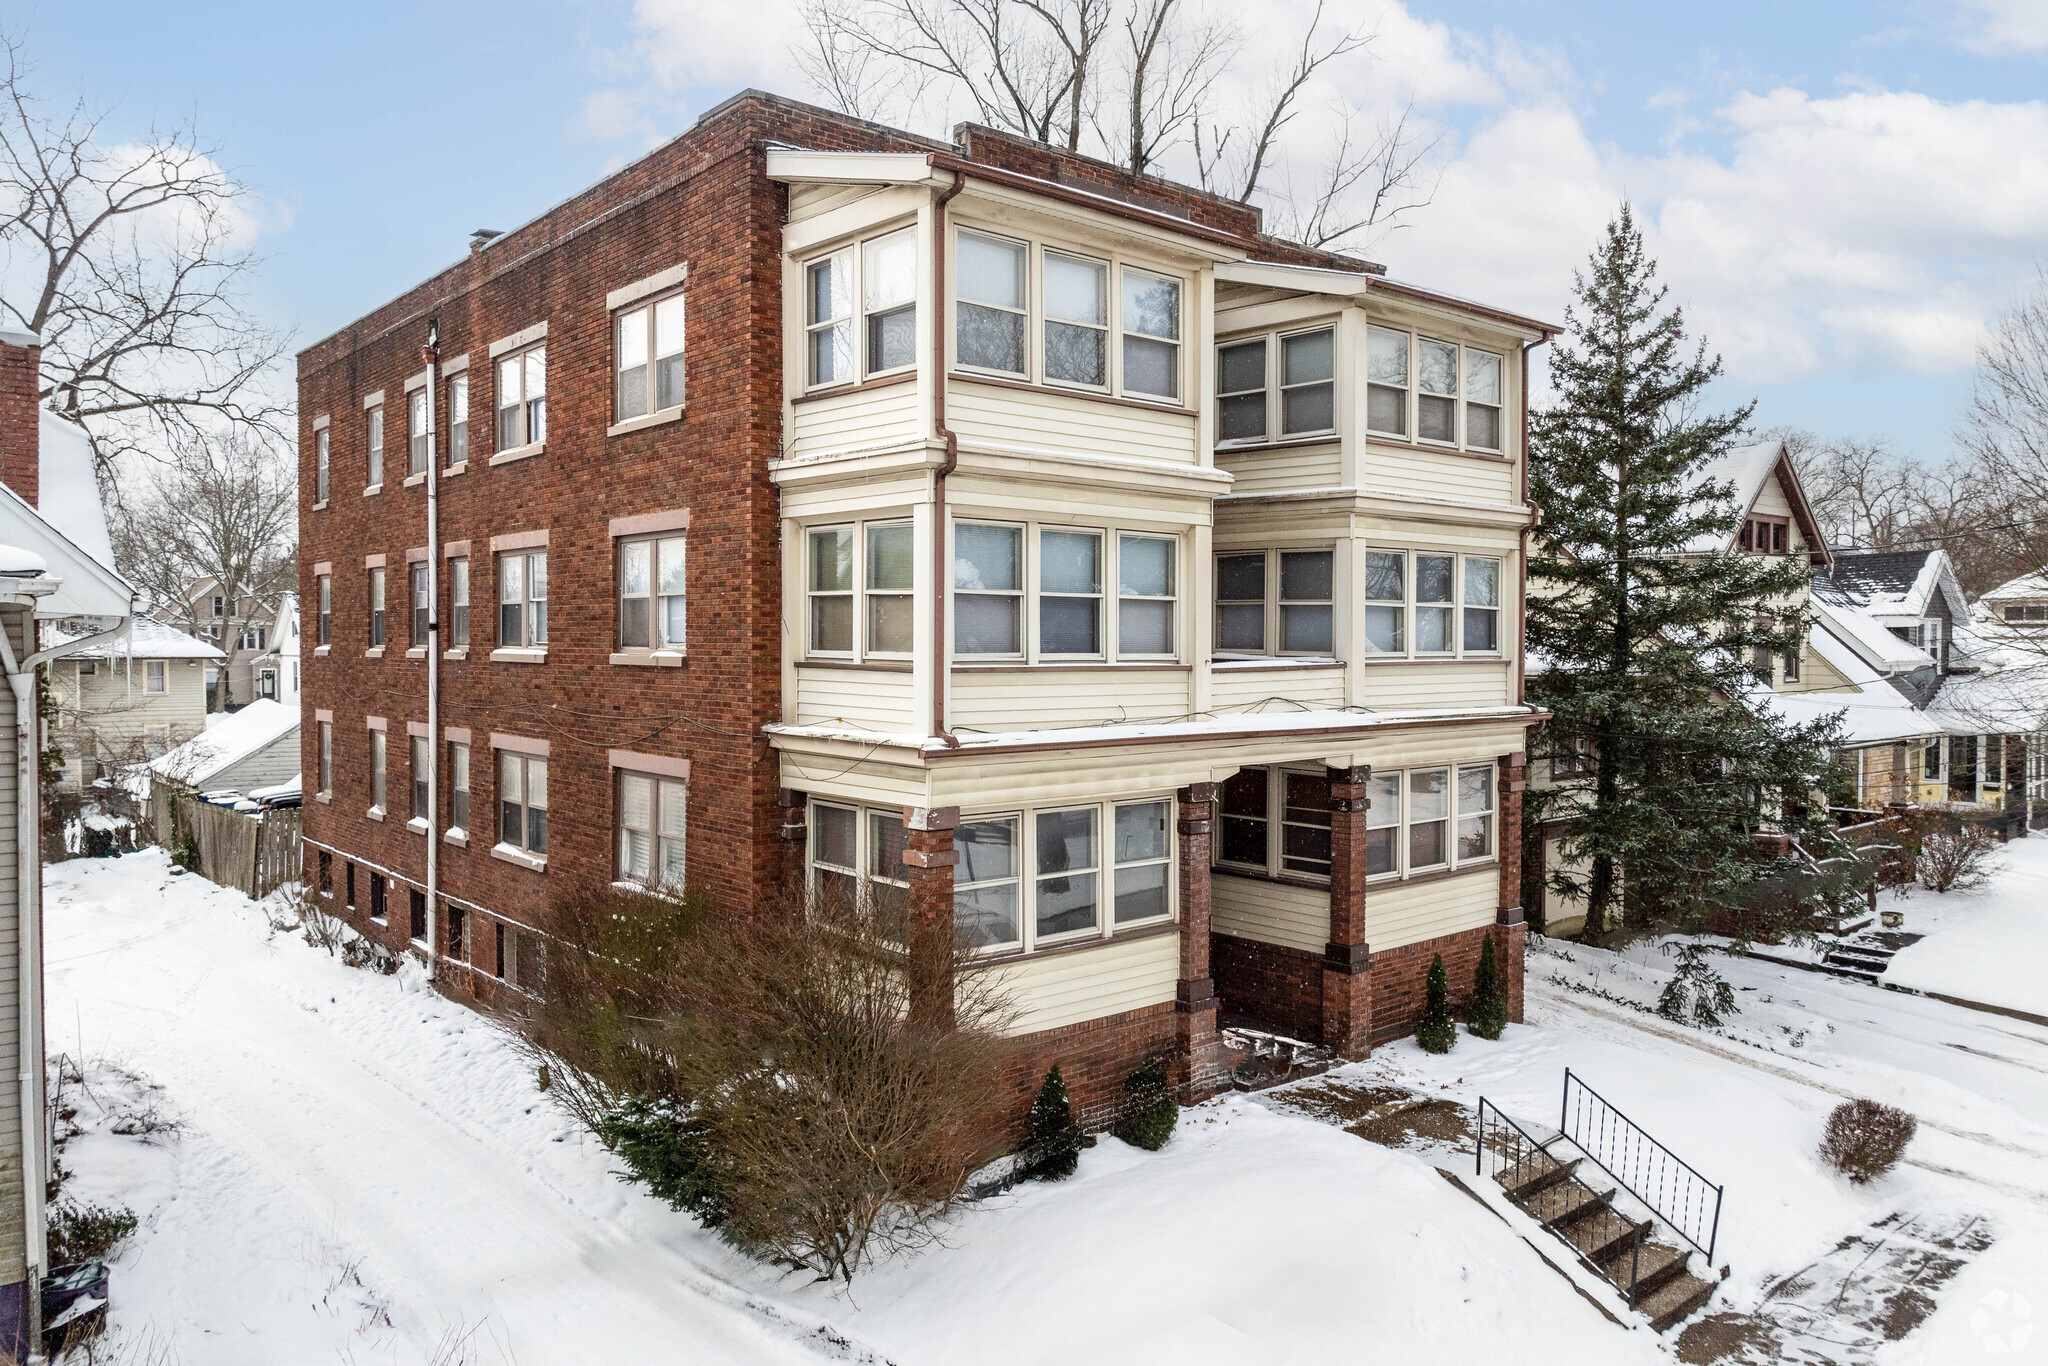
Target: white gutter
x,y
431,353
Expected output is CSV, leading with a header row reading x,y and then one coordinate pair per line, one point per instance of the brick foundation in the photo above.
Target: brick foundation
x,y
1280,988
1093,1057
1399,976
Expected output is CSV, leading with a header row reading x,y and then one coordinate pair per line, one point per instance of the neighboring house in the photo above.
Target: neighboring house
x,y
56,564
1137,591
128,700
256,747
274,673
250,629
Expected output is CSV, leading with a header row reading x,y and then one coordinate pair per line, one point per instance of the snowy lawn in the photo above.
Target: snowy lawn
x,y
367,1173
1990,945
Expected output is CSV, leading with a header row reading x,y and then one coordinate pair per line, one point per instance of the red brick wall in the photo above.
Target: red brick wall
x,y
20,434
1278,987
1399,976
1093,1058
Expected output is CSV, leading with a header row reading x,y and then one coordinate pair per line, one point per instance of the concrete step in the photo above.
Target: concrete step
x,y
1675,1301
1535,1173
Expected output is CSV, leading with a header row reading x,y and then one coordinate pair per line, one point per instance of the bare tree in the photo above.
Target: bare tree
x,y
221,508
133,275
2005,427
1862,491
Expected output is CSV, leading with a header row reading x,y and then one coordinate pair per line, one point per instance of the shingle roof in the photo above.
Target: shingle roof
x,y
1866,578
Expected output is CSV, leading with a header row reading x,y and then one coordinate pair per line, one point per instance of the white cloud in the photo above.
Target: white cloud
x,y
1998,27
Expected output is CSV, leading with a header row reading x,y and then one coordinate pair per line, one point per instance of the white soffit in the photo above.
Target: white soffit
x,y
794,164
1304,279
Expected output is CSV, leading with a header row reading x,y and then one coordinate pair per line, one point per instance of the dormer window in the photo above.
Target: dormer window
x,y
1767,535
2027,614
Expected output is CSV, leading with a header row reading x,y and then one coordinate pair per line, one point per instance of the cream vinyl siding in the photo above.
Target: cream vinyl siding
x,y
1283,470
1238,688
1771,501
1270,912
1438,474
861,419
13,1248
1027,419
1475,683
1397,914
1049,991
1422,747
1043,697
870,698
808,201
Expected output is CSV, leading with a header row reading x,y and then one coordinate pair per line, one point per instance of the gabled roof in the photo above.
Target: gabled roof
x,y
1749,469
148,638
2025,587
229,740
1872,642
1892,583
1873,712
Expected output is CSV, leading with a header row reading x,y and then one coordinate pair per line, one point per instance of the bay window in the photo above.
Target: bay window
x,y
1451,395
890,577
831,590
651,603
1483,404
1436,391
1420,603
647,358
1076,320
1241,603
1306,384
1298,615
881,558
1435,602
1056,608
1307,601
1308,388
991,320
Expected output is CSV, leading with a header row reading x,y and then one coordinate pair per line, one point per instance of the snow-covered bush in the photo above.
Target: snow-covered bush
x,y
1954,854
1864,1139
1149,1110
1438,1031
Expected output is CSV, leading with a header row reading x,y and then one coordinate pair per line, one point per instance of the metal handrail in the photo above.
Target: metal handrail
x,y
1515,1155
1681,1203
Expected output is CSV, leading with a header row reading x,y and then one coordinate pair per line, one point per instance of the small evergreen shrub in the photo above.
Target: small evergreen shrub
x,y
78,1233
1696,994
1149,1110
1438,1032
1487,1016
1055,1147
1864,1139
669,1151
185,849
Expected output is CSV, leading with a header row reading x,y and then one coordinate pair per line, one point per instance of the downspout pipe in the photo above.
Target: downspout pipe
x,y
1522,560
431,354
941,564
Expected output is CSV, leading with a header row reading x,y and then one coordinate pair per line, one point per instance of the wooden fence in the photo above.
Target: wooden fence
x,y
254,852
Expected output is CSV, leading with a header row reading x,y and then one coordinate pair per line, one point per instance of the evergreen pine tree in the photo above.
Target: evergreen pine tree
x,y
1438,1030
1649,646
1055,1148
1487,1016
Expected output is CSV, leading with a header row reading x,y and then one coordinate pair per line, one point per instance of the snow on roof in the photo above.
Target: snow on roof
x,y
22,563
1874,713
2007,701
1891,583
292,788
1870,638
230,741
2034,585
1746,467
148,638
68,490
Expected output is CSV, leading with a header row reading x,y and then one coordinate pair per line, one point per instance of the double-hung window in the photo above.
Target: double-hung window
x,y
523,397
890,565
835,854
1241,391
321,462
523,599
523,802
888,885
458,421
458,602
1482,400
326,787
1151,322
875,561
375,461
1386,381
651,607
988,584
1031,879
418,433
378,755
1144,862
647,358
889,300
831,590
1298,844
1241,603
1076,320
1435,603
1458,393
991,321
987,891
1306,382
1145,596
376,609
1069,592
421,600
419,777
835,351
325,586
1481,605
1418,603
1308,387
458,788
1066,888
652,814
1436,391
828,320
1426,820
1307,601
1276,602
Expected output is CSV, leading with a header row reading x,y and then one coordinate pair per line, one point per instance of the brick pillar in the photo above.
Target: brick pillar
x,y
1198,1050
928,863
793,836
1512,936
1347,961
21,360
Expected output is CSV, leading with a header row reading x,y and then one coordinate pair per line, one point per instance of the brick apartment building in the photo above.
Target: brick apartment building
x,y
1218,705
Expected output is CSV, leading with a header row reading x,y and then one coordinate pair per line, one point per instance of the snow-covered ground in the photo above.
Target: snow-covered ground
x,y
1989,945
366,1170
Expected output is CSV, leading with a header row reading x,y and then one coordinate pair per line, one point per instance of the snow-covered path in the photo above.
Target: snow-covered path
x,y
324,1146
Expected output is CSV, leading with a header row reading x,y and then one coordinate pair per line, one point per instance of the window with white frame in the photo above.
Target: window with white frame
x,y
1433,819
651,607
1276,602
523,802
325,584
991,320
458,420
1241,391
1304,378
155,740
888,885
1029,879
652,813
321,465
1151,326
417,432
420,759
1056,608
458,788
379,754
458,602
1386,381
422,599
888,287
830,590
1450,395
523,397
375,460
326,774
1069,592
647,358
522,599
835,853
828,320
1076,344
1297,844
1483,402
1436,391
376,609
1422,603
1146,596
890,558
876,562
988,584
837,351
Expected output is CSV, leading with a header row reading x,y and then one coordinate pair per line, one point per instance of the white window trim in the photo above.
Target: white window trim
x,y
1039,316
528,751
1274,868
666,654
1031,595
858,594
1273,602
619,773
1453,864
1408,653
854,253
653,417
1412,402
1274,389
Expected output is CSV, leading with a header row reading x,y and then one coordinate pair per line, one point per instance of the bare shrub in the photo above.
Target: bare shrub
x,y
1864,1139
1953,854
818,1081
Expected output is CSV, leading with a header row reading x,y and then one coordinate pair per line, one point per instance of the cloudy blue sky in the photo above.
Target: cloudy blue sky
x,y
1843,195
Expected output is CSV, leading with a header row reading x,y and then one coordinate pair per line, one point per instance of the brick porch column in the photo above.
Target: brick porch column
x,y
793,835
1198,1051
1514,931
928,860
1347,961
